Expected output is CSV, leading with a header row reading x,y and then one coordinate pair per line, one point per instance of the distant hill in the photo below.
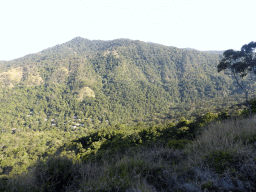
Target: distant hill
x,y
190,49
109,82
215,52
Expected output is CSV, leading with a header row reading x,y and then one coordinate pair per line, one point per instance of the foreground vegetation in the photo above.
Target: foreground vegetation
x,y
212,153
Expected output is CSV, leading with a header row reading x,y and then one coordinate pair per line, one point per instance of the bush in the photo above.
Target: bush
x,y
247,139
223,115
3,182
183,122
178,144
55,174
221,160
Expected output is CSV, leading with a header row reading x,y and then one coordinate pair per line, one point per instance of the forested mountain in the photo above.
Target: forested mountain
x,y
123,115
107,82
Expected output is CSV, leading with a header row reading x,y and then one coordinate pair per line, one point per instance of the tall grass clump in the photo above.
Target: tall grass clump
x,y
224,153
224,135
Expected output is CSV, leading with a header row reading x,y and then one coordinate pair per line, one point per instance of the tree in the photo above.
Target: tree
x,y
240,64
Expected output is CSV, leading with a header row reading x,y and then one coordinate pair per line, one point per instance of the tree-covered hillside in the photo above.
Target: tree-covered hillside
x,y
187,156
108,82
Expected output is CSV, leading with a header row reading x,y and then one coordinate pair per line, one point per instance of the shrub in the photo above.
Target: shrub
x,y
3,182
207,185
247,138
223,115
178,144
182,123
54,174
221,160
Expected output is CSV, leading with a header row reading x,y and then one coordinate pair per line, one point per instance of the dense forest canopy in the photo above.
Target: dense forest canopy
x,y
108,82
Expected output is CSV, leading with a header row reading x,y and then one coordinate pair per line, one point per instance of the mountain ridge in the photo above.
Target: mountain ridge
x,y
92,43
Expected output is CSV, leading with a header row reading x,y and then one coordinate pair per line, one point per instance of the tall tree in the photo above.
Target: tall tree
x,y
240,64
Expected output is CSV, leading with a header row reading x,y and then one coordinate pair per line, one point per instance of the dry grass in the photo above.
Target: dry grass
x,y
34,79
222,159
223,135
85,92
114,52
15,75
63,70
12,75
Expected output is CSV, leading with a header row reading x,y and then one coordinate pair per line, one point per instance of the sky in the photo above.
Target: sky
x,y
29,26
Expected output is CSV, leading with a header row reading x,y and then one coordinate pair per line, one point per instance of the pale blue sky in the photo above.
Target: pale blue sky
x,y
29,26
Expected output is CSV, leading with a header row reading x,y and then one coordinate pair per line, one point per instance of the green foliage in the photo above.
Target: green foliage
x,y
223,115
246,112
253,105
240,62
208,117
182,123
16,159
196,126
